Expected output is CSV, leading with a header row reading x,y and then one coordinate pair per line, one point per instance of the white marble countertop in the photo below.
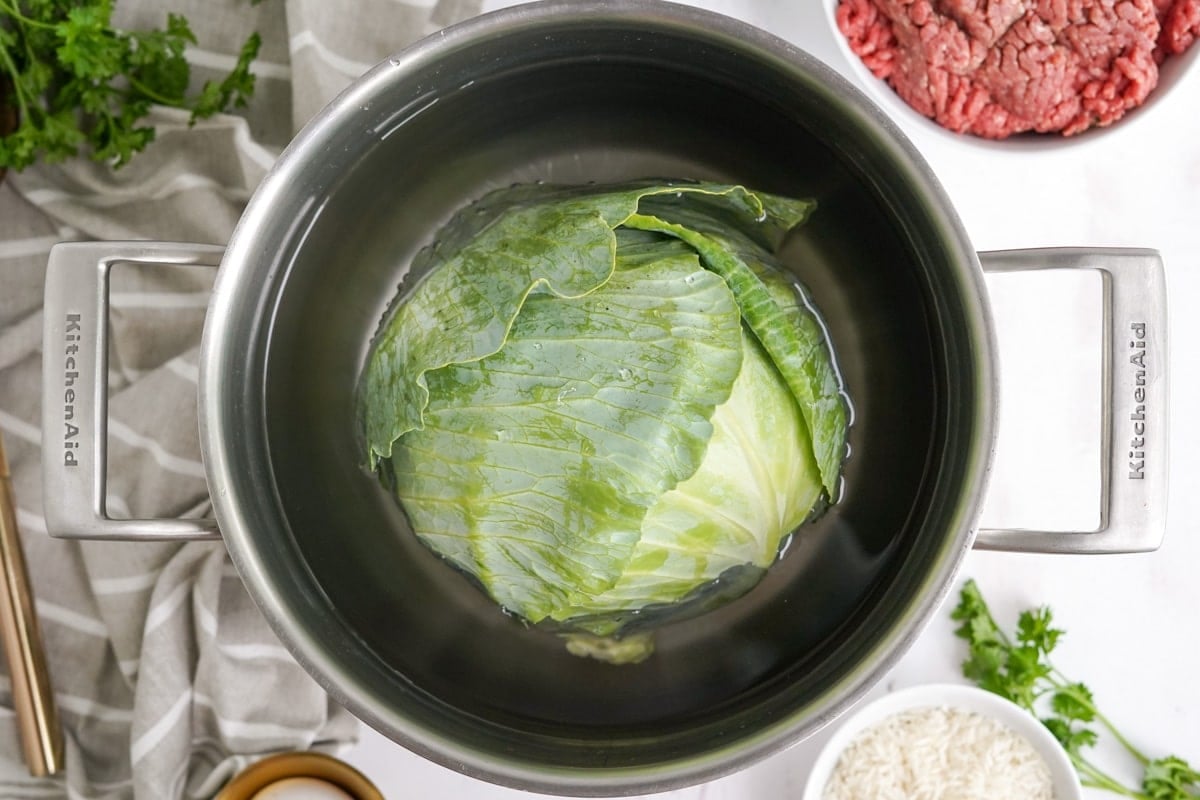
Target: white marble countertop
x,y
1132,621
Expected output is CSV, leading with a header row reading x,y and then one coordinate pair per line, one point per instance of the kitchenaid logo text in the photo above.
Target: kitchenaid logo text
x,y
70,374
1137,442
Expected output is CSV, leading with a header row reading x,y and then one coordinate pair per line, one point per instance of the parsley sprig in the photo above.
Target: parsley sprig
x,y
81,85
1020,669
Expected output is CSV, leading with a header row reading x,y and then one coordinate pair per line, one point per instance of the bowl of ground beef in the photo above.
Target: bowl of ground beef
x,y
1023,72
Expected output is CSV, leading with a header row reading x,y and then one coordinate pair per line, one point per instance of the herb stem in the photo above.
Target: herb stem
x,y
1114,788
1092,776
14,9
6,61
151,94
1062,685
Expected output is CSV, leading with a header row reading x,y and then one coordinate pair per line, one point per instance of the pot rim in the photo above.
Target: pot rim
x,y
219,366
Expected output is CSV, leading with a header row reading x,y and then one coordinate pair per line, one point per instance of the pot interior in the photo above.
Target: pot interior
x,y
412,645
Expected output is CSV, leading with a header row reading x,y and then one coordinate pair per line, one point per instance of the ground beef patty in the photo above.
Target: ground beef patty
x,y
998,67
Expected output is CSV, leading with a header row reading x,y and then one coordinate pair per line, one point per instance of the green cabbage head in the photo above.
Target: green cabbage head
x,y
597,401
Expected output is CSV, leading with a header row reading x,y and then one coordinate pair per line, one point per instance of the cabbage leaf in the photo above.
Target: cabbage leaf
x,y
537,464
597,401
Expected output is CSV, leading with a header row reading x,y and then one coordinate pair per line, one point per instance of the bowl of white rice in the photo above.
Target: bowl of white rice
x,y
942,742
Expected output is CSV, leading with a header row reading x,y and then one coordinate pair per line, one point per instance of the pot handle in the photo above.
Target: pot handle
x,y
1133,471
75,390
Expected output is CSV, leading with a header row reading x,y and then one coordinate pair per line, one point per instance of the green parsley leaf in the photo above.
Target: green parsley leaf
x,y
235,89
1074,702
1033,629
1074,740
1170,778
90,49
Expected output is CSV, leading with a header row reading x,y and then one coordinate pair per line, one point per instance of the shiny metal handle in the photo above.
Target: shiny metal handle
x,y
75,389
1133,448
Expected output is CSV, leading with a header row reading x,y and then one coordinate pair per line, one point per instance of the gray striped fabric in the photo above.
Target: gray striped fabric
x,y
167,678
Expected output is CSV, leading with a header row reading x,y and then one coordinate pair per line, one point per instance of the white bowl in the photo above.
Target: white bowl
x,y
1172,74
959,696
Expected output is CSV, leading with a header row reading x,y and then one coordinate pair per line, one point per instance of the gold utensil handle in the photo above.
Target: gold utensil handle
x,y
33,697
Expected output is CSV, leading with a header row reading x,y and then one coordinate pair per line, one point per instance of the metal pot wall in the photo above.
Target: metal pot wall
x,y
574,92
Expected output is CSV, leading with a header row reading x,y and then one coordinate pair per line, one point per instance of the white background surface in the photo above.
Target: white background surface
x,y
1133,622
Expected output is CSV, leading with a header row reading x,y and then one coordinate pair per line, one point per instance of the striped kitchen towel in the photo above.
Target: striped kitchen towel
x,y
167,678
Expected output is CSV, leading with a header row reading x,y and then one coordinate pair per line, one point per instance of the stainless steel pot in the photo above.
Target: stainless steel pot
x,y
574,92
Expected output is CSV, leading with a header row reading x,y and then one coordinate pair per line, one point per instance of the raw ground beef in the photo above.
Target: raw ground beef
x,y
998,67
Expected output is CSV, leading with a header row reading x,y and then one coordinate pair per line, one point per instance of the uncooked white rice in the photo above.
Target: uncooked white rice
x,y
939,753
